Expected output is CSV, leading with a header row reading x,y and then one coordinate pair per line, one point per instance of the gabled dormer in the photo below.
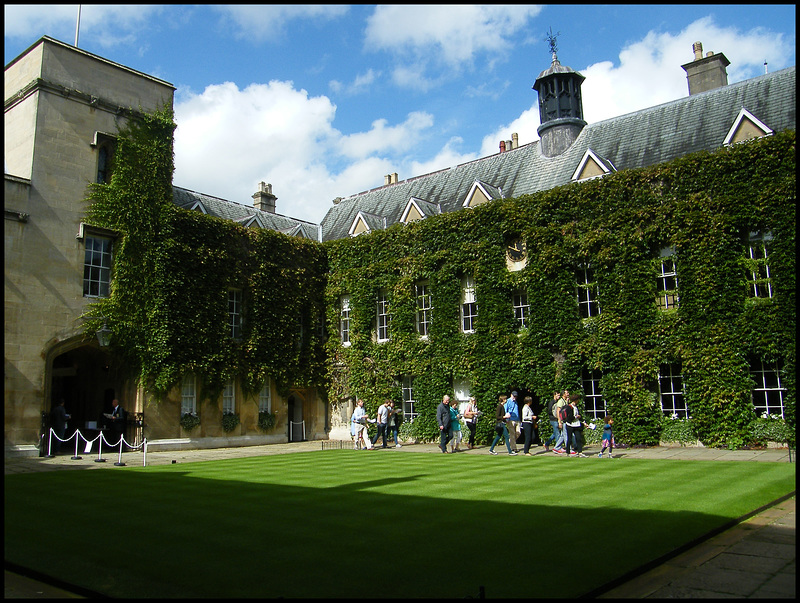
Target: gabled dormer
x,y
592,166
746,126
419,209
303,231
253,221
198,206
480,192
365,223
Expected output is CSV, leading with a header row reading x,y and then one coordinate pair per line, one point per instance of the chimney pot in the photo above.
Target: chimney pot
x,y
387,179
394,177
502,146
263,199
515,140
706,73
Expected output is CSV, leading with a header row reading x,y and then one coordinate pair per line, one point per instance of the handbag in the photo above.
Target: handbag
x,y
499,427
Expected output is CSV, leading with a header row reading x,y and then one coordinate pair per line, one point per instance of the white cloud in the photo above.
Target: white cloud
x,y
649,71
107,25
267,21
524,126
444,37
447,157
229,139
361,83
383,138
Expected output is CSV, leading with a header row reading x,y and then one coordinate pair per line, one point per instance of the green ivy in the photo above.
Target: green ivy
x,y
703,205
173,269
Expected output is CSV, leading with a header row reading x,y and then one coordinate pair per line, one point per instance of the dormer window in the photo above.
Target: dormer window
x,y
745,127
592,166
419,209
481,192
365,223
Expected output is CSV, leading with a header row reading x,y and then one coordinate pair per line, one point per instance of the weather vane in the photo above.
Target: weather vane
x,y
552,40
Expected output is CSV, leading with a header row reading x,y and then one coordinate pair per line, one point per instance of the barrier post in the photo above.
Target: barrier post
x,y
119,462
100,458
50,454
144,457
77,439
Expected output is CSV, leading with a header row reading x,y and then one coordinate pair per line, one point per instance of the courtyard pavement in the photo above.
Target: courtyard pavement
x,y
753,558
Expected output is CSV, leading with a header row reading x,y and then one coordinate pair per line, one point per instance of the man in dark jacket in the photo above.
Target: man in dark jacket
x,y
443,419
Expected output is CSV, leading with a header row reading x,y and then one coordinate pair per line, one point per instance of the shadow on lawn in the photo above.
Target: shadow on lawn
x,y
169,534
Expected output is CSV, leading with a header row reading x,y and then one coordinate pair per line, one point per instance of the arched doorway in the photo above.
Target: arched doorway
x,y
295,422
84,376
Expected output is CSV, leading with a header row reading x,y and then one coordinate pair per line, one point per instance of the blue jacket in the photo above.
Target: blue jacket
x,y
511,407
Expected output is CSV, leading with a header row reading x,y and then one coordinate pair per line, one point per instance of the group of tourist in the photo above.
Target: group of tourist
x,y
387,422
562,412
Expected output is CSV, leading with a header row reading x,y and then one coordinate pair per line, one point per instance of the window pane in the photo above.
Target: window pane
x,y
768,390
670,383
344,320
96,267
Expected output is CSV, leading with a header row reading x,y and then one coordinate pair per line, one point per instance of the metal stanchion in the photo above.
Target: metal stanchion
x,y
76,457
50,454
119,462
100,458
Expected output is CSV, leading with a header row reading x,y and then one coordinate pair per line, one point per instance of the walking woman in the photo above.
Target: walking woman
x,y
528,418
471,415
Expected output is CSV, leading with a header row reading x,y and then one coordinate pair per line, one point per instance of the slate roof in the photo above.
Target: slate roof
x,y
245,214
639,139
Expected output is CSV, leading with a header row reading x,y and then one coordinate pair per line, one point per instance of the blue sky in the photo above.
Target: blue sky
x,y
323,101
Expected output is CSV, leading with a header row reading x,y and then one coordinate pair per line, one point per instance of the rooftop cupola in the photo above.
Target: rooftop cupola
x,y
560,105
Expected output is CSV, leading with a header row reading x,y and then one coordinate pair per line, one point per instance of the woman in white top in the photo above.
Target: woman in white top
x,y
528,419
471,415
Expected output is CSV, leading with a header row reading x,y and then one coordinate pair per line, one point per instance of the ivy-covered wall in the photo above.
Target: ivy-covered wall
x,y
172,272
703,205
173,269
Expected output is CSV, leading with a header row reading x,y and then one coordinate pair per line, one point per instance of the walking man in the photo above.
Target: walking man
x,y
443,419
512,423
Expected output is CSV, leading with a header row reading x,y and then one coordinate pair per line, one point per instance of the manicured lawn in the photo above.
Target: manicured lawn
x,y
344,523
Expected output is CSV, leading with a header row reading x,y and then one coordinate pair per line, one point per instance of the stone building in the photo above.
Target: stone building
x,y
63,107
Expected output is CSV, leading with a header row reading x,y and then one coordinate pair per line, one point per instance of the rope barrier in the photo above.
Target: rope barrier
x,y
101,437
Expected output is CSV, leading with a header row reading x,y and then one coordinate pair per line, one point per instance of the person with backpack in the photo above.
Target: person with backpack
x,y
553,420
561,415
395,419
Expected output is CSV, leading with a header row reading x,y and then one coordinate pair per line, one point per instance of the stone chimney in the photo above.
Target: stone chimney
x,y
390,179
263,199
706,73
